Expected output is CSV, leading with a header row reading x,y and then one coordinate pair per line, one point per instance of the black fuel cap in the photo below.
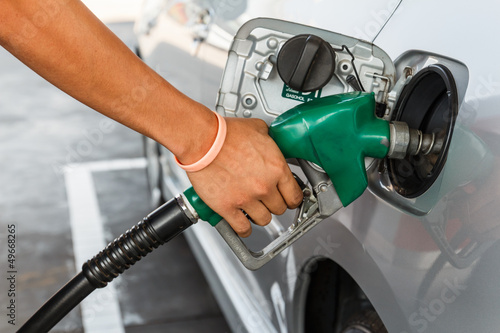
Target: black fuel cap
x,y
306,63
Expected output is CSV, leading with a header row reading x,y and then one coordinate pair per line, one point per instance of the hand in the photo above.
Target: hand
x,y
249,174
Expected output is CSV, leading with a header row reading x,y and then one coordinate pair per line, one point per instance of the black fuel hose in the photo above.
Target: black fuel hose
x,y
156,229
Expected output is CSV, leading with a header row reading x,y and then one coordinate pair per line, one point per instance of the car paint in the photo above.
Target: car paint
x,y
383,245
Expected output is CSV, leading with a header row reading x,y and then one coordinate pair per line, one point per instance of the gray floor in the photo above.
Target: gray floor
x,y
41,131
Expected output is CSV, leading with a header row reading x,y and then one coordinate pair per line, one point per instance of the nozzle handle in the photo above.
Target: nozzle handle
x,y
307,217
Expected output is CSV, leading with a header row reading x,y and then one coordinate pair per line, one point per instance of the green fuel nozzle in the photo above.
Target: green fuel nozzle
x,y
337,133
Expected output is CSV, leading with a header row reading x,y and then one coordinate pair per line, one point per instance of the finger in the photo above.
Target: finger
x,y
275,202
240,224
290,190
259,214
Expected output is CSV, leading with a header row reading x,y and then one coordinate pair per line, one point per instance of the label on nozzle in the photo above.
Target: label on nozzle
x,y
300,96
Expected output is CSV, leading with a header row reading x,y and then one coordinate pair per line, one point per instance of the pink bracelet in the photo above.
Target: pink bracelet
x,y
212,152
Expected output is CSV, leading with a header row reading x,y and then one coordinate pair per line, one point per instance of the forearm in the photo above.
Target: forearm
x,y
66,44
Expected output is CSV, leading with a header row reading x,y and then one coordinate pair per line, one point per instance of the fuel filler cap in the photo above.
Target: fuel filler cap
x,y
306,62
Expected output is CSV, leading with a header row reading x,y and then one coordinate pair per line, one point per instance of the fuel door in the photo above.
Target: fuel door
x,y
427,97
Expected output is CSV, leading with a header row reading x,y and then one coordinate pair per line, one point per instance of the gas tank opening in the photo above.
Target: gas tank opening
x,y
429,103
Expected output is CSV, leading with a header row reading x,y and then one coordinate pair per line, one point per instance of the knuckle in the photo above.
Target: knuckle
x,y
278,207
240,201
279,164
297,199
241,225
243,232
264,220
262,189
282,210
283,171
261,125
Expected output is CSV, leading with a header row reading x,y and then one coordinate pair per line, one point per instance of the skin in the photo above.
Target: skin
x,y
67,45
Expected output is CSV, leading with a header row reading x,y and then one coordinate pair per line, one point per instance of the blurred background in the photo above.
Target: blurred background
x,y
71,181
112,11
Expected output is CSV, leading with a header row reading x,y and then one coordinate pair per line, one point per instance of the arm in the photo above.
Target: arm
x,y
66,44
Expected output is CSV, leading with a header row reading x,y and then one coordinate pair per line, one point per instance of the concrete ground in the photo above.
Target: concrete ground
x,y
57,217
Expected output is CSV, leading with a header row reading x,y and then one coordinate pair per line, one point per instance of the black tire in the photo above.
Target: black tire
x,y
367,321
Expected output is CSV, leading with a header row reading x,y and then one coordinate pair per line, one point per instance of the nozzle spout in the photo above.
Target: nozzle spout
x,y
405,141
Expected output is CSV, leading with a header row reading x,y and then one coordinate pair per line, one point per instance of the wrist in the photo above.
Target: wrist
x,y
212,153
183,126
195,135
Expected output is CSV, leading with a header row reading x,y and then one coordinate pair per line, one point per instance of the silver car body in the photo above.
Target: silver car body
x,y
428,264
